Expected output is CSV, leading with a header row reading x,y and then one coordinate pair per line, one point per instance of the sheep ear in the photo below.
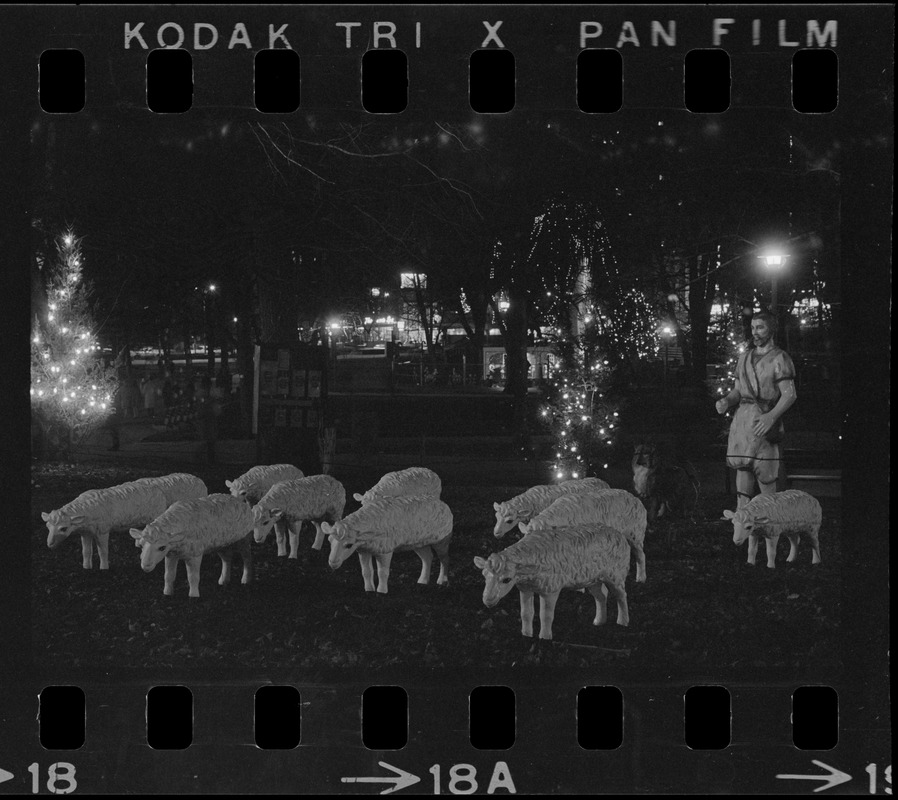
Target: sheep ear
x,y
229,484
276,513
357,497
524,527
45,516
496,506
761,520
77,519
136,533
479,562
727,514
257,513
327,528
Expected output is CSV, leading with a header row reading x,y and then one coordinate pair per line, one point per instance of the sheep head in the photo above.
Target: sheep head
x,y
264,520
154,546
60,526
344,542
236,489
744,523
500,575
506,519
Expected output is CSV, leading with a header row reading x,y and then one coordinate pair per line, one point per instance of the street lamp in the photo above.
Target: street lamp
x,y
774,261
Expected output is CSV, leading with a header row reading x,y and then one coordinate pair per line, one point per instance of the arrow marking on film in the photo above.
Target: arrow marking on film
x,y
400,781
835,777
5,776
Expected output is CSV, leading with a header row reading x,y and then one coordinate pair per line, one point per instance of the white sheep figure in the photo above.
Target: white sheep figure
x,y
252,485
615,508
527,505
93,514
411,482
316,498
389,525
177,486
218,523
592,557
790,513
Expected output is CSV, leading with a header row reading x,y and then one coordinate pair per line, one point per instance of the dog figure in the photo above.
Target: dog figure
x,y
661,485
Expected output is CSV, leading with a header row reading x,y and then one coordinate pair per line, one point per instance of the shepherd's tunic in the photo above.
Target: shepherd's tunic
x,y
758,382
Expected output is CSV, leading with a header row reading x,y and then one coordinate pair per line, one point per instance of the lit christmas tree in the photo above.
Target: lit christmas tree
x,y
71,389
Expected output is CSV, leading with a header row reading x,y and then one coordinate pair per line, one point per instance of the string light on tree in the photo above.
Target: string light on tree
x,y
71,389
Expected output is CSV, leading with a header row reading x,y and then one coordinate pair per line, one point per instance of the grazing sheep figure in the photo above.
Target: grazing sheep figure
x,y
615,508
524,507
316,498
592,557
411,482
219,523
93,514
390,525
770,516
177,486
252,485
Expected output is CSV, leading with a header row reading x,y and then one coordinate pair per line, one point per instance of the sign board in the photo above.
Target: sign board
x,y
289,403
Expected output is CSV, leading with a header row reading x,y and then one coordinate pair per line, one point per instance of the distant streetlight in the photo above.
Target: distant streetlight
x,y
774,262
212,287
503,305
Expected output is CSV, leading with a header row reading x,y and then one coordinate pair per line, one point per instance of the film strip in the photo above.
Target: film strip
x,y
316,237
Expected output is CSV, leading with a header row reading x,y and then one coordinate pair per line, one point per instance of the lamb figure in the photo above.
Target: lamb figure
x,y
252,485
317,498
411,482
389,525
592,557
790,513
93,514
527,505
218,523
615,508
177,486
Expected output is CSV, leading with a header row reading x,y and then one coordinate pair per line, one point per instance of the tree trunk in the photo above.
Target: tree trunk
x,y
517,365
701,296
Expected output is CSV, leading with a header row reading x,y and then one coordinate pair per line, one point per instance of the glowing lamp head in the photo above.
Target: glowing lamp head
x,y
774,260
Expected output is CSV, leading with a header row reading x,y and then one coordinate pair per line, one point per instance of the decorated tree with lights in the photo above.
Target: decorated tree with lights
x,y
71,388
603,324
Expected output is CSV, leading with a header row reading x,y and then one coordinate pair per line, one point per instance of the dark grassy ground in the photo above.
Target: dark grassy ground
x,y
703,612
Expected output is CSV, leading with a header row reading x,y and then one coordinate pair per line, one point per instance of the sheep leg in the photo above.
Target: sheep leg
x,y
793,546
771,551
441,548
547,614
600,592
87,550
246,553
293,528
526,613
319,536
225,556
171,569
383,571
103,549
752,549
620,594
281,536
426,556
815,545
193,575
367,570
640,561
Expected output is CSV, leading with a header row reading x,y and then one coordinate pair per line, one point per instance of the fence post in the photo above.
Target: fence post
x,y
464,369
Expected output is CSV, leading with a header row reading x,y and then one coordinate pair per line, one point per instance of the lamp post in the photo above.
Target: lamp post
x,y
774,261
